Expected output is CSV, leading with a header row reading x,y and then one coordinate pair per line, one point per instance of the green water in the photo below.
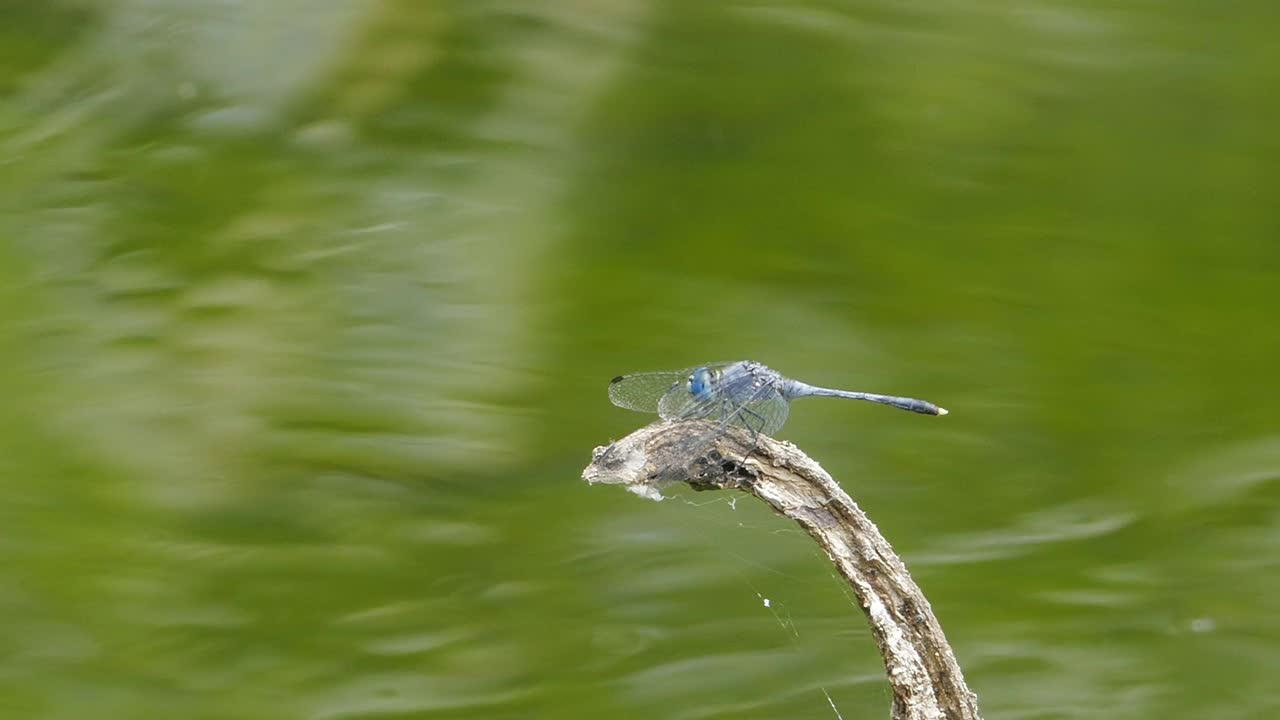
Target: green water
x,y
307,311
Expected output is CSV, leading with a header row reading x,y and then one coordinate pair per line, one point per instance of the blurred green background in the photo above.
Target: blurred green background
x,y
307,311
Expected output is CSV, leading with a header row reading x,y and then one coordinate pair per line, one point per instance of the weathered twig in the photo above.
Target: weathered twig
x,y
926,680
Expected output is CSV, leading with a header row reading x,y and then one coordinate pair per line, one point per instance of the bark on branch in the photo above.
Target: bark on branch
x,y
925,678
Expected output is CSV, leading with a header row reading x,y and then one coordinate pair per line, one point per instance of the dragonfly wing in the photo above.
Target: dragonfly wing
x,y
755,401
765,413
679,402
739,398
643,391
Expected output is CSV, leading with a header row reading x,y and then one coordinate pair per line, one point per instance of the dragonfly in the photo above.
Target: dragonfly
x,y
745,393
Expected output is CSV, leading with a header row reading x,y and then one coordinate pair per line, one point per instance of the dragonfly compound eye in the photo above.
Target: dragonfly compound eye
x,y
700,383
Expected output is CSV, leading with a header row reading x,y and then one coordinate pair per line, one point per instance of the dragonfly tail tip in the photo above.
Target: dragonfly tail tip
x,y
942,411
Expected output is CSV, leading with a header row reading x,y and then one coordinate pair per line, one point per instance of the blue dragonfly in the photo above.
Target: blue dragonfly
x,y
743,393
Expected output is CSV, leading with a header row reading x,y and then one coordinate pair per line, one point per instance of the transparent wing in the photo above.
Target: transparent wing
x,y
642,391
744,395
740,397
678,403
764,414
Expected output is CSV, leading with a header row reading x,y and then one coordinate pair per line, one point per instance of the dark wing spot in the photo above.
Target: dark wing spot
x,y
616,380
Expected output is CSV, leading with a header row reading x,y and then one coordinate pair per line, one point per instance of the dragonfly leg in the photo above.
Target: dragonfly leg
x,y
748,416
756,429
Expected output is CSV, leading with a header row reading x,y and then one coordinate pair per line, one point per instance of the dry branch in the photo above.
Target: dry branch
x,y
926,681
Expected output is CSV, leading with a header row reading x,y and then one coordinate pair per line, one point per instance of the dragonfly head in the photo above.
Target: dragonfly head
x,y
701,383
